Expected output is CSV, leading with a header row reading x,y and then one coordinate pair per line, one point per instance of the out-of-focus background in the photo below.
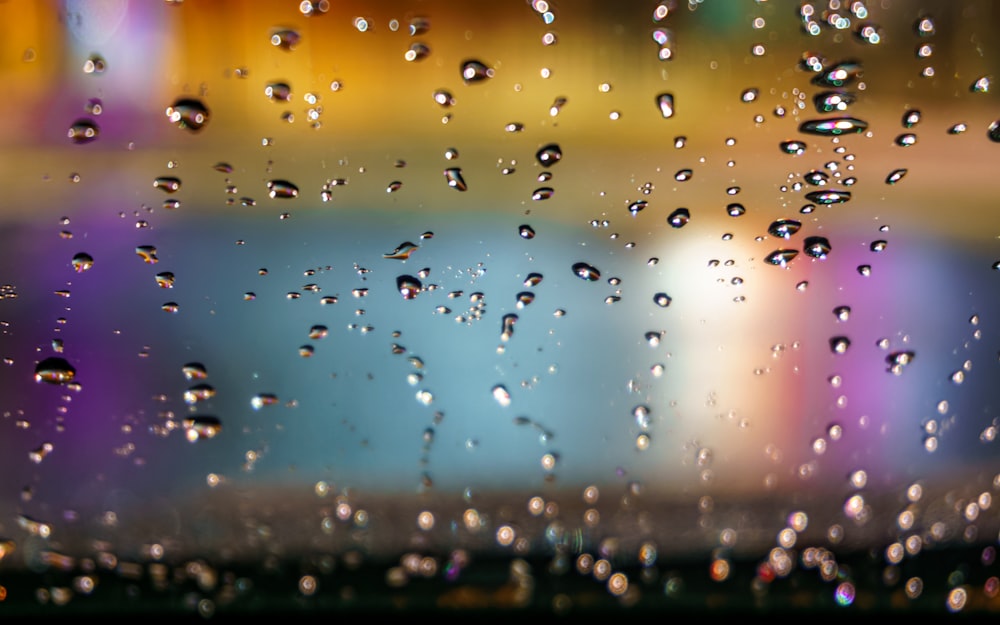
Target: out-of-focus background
x,y
293,255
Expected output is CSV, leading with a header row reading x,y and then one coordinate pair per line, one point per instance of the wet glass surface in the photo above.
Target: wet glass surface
x,y
554,307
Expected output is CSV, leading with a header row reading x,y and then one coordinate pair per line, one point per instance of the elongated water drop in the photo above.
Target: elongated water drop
x,y
474,71
282,189
679,218
665,102
830,196
548,155
188,114
83,131
833,126
409,287
454,177
586,272
54,370
781,257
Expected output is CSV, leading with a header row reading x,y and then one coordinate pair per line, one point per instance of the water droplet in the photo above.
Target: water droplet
x,y
828,197
282,189
957,129
665,102
262,400
454,177
95,64
542,193
409,287
796,148
749,95
394,186
201,428
548,155
662,300
188,113
170,307
524,298
286,39
865,270
475,71
533,279
194,371
994,131
444,98
906,140
833,101
526,231
147,253
879,246
816,247
683,175
781,257
895,176
82,262
278,92
833,126
679,218
199,393
816,178
83,131
167,184
842,313
586,272
911,118
507,326
54,370
839,75
839,344
735,209
501,394
784,228
898,360
981,85
417,52
402,251
165,280
637,207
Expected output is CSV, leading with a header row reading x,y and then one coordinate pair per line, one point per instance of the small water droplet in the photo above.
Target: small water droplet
x,y
278,92
444,98
735,209
282,189
879,246
526,231
95,64
586,272
796,148
683,175
981,85
402,251
165,280
83,131
548,155
542,193
82,262
833,127
830,196
895,176
147,253
286,39
201,428
474,71
833,101
188,114
839,75
906,140
679,218
839,344
994,131
749,95
454,177
507,326
417,52
501,395
194,371
637,207
842,313
911,118
409,287
54,370
898,360
534,279
665,102
662,300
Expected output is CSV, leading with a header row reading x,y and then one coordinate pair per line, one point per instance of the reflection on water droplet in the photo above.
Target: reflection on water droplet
x,y
454,177
898,360
665,102
780,257
475,71
796,148
828,197
735,209
526,231
54,370
285,38
402,251
817,247
188,114
994,131
981,85
842,313
637,206
194,371
548,155
542,193
679,218
662,300
906,140
82,262
409,287
839,344
501,394
167,184
201,428
784,228
833,101
586,272
833,126
165,280
417,52
839,75
895,176
533,279
83,131
282,189
911,118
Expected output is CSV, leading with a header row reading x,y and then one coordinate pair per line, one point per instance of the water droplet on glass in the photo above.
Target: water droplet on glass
x,y
54,370
147,253
957,129
533,279
906,140
83,131
286,39
784,228
402,251
662,300
444,98
637,206
454,177
993,132
278,92
665,102
586,272
683,175
262,400
526,231
816,247
898,360
839,75
417,52
507,326
816,178
833,101
201,428
842,313
735,209
542,193
796,148
749,95
409,287
501,394
981,85
165,280
879,246
911,118
679,218
895,176
833,126
781,257
475,71
828,197
82,262
188,113
839,344
282,189
194,371
95,64
548,155
167,184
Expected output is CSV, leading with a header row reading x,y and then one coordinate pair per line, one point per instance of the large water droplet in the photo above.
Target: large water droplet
x,y
402,251
454,177
82,262
549,155
679,218
586,272
665,102
475,71
829,196
662,300
83,131
278,92
817,247
285,38
167,184
188,113
542,193
409,287
781,257
833,101
784,228
833,126
54,370
282,189
839,344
